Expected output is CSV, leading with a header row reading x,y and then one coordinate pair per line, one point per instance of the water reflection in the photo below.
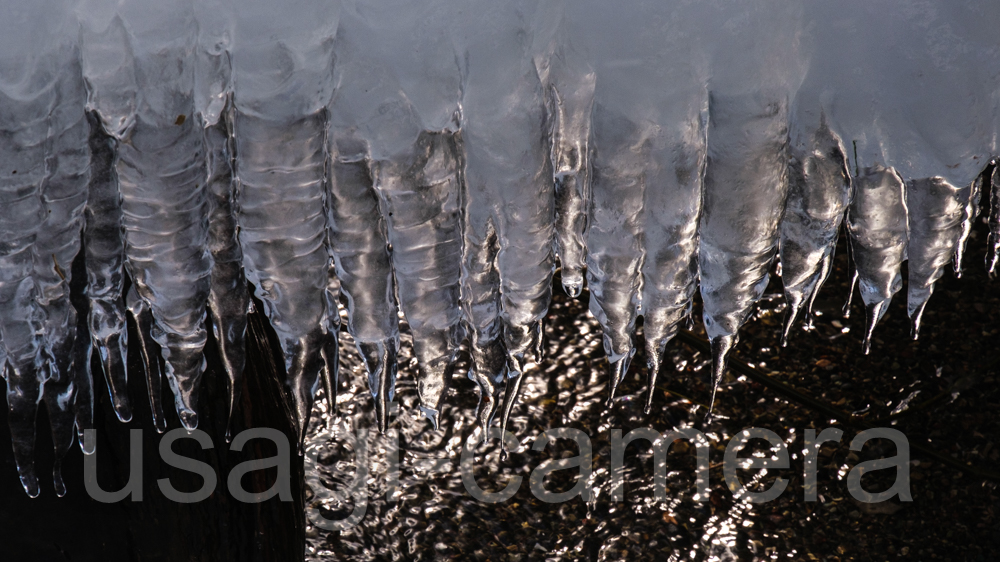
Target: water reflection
x,y
425,511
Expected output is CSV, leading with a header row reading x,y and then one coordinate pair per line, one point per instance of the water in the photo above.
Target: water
x,y
424,511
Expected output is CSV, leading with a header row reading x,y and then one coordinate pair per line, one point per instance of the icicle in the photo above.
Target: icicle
x,y
877,223
380,361
619,368
23,396
721,346
105,257
509,186
670,270
44,164
228,297
422,212
165,204
331,341
331,324
304,369
64,195
993,242
59,395
489,371
357,236
149,350
654,362
524,344
394,124
481,305
648,157
109,68
852,269
481,309
111,351
281,126
84,383
970,212
746,185
934,224
281,194
161,173
819,191
614,238
20,322
570,101
281,152
510,398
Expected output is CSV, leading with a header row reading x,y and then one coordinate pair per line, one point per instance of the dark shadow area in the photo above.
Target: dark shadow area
x,y
218,528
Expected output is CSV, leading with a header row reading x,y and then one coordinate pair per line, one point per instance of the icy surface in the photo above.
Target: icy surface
x,y
439,162
884,72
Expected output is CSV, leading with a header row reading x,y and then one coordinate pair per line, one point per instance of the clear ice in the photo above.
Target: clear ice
x,y
228,298
161,168
43,191
935,213
993,243
282,58
105,258
818,193
408,157
877,225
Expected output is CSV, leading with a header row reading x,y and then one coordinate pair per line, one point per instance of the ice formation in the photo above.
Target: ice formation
x,y
441,159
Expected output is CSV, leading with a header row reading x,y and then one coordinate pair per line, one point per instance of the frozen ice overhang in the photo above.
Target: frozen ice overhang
x,y
439,160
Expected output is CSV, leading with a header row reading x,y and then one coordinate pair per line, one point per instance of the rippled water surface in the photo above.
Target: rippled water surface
x,y
432,516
